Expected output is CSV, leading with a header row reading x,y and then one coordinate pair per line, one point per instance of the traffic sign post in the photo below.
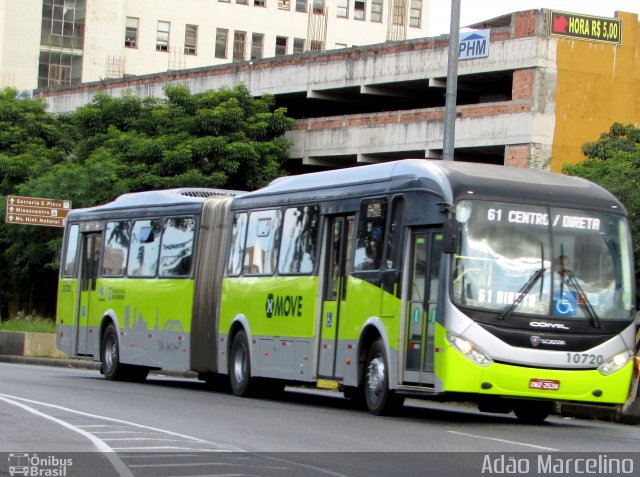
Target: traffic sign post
x,y
36,211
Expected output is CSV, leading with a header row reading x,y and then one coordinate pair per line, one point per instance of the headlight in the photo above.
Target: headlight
x,y
615,363
469,350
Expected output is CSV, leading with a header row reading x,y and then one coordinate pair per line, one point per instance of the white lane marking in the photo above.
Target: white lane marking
x,y
98,443
129,423
503,440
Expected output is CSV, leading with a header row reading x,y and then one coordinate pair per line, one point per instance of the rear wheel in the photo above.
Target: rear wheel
x,y
240,365
533,412
377,395
112,368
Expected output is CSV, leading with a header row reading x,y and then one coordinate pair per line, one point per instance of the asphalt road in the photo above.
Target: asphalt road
x,y
170,427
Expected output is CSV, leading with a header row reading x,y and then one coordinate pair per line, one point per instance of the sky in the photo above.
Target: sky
x,y
472,11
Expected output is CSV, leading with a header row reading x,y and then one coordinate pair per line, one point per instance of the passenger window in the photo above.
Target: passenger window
x,y
262,241
394,236
116,248
71,253
370,239
299,242
236,247
145,247
177,247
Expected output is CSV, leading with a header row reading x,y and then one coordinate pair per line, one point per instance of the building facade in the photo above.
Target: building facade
x,y
49,43
532,101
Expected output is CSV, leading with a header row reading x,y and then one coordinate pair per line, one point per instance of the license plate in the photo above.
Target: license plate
x,y
544,384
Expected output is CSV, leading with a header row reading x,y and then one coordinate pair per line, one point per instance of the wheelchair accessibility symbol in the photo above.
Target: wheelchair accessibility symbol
x,y
565,303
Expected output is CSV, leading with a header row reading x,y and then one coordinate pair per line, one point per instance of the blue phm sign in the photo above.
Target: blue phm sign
x,y
474,44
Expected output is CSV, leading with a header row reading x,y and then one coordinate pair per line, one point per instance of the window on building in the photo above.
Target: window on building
x,y
239,45
63,23
284,4
259,3
162,36
281,45
242,2
343,9
359,10
298,45
376,11
316,45
191,40
415,13
56,68
222,38
177,246
257,46
398,12
318,6
299,241
301,6
224,1
131,32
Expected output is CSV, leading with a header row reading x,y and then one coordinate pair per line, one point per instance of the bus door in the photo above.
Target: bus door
x,y
339,241
91,250
426,252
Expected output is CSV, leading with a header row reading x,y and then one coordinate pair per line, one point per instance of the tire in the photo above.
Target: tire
x,y
533,412
240,365
379,399
112,369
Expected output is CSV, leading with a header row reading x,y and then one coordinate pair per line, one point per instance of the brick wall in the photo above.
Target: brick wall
x,y
517,155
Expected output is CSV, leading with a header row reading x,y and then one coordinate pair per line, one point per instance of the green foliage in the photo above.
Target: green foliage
x,y
220,139
31,323
613,161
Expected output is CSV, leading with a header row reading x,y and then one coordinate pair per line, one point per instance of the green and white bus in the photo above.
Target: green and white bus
x,y
512,288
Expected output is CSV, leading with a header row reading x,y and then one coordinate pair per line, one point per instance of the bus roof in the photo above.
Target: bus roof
x,y
157,198
451,180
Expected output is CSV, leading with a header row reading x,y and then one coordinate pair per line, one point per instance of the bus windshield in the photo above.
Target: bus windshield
x,y
537,260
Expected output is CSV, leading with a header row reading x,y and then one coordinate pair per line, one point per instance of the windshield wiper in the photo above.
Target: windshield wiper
x,y
573,283
524,291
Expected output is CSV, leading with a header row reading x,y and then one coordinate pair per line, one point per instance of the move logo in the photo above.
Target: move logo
x,y
283,305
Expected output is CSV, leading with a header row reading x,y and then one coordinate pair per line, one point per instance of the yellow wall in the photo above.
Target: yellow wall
x,y
598,84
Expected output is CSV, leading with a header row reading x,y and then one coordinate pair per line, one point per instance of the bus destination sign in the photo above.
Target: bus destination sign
x,y
585,27
36,211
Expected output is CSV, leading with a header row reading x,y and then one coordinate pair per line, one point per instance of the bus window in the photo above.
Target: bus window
x,y
116,248
371,224
236,248
299,246
145,239
71,253
394,242
262,240
177,247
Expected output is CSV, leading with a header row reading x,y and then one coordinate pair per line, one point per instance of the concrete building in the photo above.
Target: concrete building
x,y
532,101
56,42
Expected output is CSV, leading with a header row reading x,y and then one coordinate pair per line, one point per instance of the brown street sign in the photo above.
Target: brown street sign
x,y
585,27
36,211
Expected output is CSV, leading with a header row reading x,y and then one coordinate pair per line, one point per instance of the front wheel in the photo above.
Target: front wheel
x,y
240,365
377,395
533,412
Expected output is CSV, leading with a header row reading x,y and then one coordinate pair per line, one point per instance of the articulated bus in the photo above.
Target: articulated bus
x,y
443,280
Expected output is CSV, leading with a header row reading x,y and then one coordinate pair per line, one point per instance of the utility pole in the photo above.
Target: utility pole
x,y
452,83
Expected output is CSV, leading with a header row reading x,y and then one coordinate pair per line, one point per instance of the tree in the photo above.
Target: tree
x,y
220,139
613,161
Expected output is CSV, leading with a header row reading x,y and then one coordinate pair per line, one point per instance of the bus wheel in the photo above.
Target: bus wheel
x,y
240,365
111,366
533,412
378,397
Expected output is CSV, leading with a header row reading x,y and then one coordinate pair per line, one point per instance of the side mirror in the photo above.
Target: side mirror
x,y
450,229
